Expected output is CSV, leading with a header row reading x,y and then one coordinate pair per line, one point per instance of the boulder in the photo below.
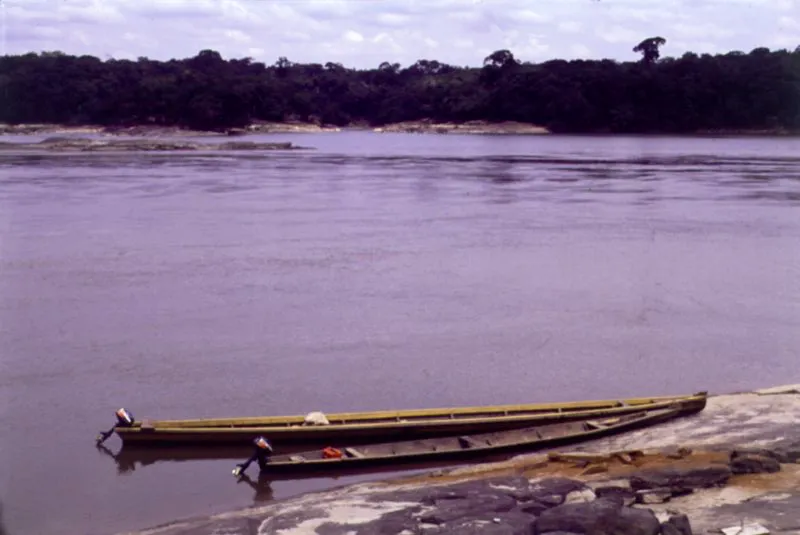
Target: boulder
x,y
516,487
510,523
787,451
653,496
680,523
669,529
681,478
623,495
600,517
554,490
753,464
447,510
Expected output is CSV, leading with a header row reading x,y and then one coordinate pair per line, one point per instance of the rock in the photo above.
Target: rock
x,y
681,478
516,487
579,517
600,517
623,495
669,529
510,523
580,496
636,522
133,145
554,490
534,507
653,496
746,529
680,523
476,504
788,451
754,464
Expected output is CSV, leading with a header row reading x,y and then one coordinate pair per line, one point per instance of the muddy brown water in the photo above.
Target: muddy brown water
x,y
374,272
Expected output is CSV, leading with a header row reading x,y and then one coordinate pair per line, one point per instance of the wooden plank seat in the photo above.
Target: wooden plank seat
x,y
352,452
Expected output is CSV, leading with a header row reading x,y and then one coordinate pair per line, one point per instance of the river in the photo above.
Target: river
x,y
375,271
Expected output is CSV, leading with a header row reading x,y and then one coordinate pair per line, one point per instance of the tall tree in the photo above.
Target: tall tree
x,y
649,49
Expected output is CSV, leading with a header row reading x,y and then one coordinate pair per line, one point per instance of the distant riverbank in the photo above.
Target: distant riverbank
x,y
422,126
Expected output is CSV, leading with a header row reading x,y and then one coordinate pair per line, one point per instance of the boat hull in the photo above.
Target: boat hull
x,y
516,442
366,428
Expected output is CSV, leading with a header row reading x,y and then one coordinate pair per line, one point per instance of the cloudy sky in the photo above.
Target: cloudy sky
x,y
364,33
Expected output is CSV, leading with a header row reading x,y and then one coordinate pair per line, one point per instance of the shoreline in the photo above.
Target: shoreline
x,y
737,461
424,126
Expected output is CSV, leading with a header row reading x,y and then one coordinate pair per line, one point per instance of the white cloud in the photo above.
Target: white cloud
x,y
353,37
397,20
526,15
620,34
237,36
570,26
702,30
580,51
789,23
363,33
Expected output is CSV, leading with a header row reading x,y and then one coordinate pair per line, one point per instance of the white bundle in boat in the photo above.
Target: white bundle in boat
x,y
315,418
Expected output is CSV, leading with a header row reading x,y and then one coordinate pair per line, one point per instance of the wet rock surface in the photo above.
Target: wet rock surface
x,y
753,464
682,479
61,144
507,506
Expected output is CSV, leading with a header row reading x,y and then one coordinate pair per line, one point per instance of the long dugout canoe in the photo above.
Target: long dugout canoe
x,y
463,447
381,426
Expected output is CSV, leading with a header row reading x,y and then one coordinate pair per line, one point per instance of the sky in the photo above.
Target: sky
x,y
365,33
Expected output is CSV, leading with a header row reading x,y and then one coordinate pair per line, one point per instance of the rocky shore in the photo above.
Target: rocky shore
x,y
470,127
292,127
731,469
423,126
70,144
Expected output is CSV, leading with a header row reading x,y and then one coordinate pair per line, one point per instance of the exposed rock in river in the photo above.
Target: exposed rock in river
x,y
469,127
59,144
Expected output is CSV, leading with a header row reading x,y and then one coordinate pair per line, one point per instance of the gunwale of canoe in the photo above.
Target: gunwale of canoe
x,y
477,445
478,413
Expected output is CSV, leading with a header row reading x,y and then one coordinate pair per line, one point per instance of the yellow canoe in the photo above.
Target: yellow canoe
x,y
371,427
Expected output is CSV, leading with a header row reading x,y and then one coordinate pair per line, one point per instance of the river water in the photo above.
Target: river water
x,y
373,272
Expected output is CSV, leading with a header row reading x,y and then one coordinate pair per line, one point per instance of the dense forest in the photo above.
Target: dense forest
x,y
737,91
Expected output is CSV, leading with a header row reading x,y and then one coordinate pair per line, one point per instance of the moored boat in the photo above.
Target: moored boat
x,y
378,426
462,447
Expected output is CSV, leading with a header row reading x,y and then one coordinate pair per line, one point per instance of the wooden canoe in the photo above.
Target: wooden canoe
x,y
473,446
382,426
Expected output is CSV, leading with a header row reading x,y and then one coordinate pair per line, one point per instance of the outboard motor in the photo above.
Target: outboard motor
x,y
124,419
262,455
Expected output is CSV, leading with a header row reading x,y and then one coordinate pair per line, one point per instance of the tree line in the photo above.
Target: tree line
x,y
736,91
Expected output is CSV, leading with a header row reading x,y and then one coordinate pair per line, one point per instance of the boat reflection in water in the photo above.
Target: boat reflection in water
x,y
129,459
